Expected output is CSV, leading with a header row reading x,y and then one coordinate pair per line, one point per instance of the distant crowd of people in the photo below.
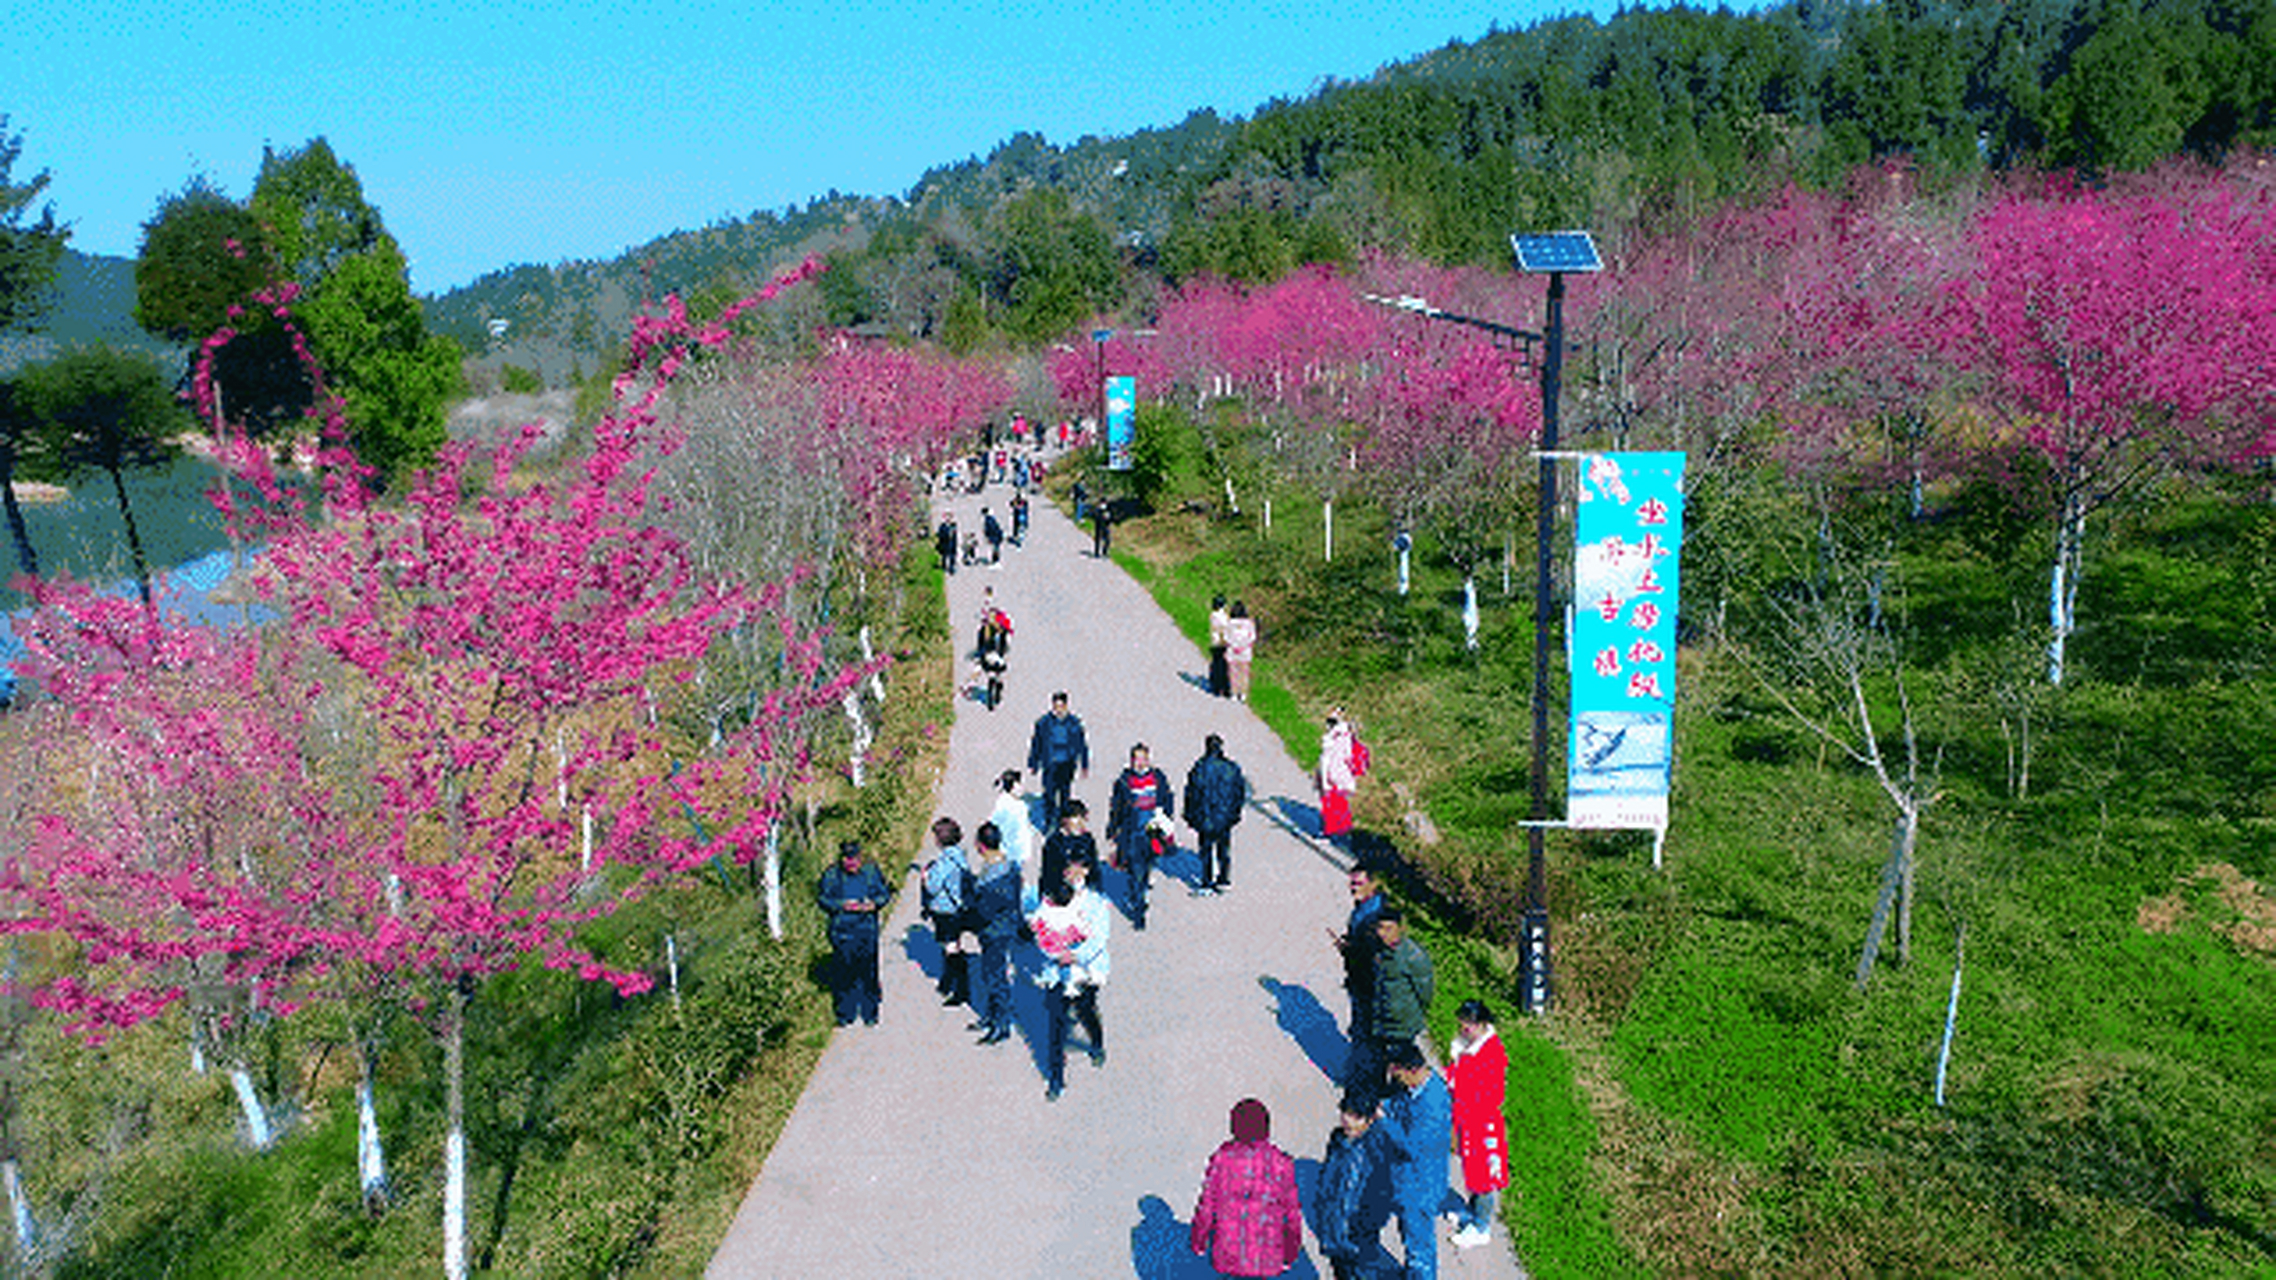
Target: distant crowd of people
x,y
1386,1158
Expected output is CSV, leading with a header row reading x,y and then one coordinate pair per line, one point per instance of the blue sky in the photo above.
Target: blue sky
x,y
496,134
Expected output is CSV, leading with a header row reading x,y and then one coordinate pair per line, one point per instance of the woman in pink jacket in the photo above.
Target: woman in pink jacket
x,y
1248,1222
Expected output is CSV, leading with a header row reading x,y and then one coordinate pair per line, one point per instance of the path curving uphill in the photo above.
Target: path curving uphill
x,y
913,1151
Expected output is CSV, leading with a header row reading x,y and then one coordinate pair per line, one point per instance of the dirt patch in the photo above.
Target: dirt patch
x,y
2237,908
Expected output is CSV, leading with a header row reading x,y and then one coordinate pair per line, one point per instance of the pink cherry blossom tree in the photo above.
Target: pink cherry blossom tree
x,y
2111,335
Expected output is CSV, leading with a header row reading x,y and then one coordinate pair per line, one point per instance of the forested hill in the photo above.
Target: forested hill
x,y
1571,121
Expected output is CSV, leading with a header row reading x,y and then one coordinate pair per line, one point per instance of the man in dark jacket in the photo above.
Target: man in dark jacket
x,y
851,894
1359,947
1072,840
1141,794
1215,792
1055,751
1354,1198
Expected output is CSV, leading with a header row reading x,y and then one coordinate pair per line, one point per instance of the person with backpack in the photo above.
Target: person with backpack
x,y
1019,510
993,530
1215,792
1137,816
947,890
995,918
1342,762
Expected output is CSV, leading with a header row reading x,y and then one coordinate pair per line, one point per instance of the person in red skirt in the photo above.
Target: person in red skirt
x,y
1476,1073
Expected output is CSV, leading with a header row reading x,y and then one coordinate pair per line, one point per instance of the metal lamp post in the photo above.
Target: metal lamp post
x,y
1553,254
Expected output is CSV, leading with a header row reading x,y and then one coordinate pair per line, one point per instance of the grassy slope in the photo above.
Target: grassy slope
x,y
1715,1094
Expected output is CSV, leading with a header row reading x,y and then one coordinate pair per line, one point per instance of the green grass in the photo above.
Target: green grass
x,y
1716,1094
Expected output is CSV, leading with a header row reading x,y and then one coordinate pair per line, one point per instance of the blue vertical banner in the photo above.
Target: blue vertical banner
x,y
1627,533
1121,420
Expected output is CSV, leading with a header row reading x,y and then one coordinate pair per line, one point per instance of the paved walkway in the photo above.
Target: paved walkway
x,y
913,1152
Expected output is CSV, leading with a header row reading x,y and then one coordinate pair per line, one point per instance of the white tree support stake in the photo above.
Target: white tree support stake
x,y
1951,1012
672,965
1470,612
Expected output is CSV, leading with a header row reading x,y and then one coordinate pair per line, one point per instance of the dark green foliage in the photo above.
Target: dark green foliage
x,y
29,249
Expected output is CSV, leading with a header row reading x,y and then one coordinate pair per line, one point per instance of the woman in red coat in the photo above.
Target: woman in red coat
x,y
1248,1222
1475,1074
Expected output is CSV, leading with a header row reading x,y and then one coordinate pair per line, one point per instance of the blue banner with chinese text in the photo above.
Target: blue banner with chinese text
x,y
1121,421
1627,532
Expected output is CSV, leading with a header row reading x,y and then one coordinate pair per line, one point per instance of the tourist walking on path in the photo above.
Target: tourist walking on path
x,y
947,894
993,530
1248,1222
1102,528
1215,793
1418,1121
1337,777
1240,650
1404,985
944,544
1359,947
1019,509
1071,924
1220,680
995,917
1056,751
1071,841
1477,1073
851,894
1013,820
1354,1198
1141,807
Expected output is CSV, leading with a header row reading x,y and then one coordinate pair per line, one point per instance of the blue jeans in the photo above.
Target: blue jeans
x,y
1418,1234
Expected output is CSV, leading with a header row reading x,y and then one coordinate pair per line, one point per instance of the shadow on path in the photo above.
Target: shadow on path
x,y
1308,1022
1161,1245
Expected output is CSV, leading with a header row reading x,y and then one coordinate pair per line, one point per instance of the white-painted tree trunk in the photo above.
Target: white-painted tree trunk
x,y
2062,589
371,1157
859,757
257,1129
876,678
20,1213
774,880
1268,517
585,830
454,1141
1232,502
1405,558
1328,526
1470,612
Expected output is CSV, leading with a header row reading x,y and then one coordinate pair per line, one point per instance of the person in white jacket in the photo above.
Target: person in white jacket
x,y
1014,820
1336,779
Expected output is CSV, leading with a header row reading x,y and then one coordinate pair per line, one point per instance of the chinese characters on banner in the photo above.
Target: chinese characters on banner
x,y
1627,529
1121,420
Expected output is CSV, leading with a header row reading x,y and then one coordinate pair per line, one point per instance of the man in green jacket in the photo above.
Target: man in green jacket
x,y
1404,985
